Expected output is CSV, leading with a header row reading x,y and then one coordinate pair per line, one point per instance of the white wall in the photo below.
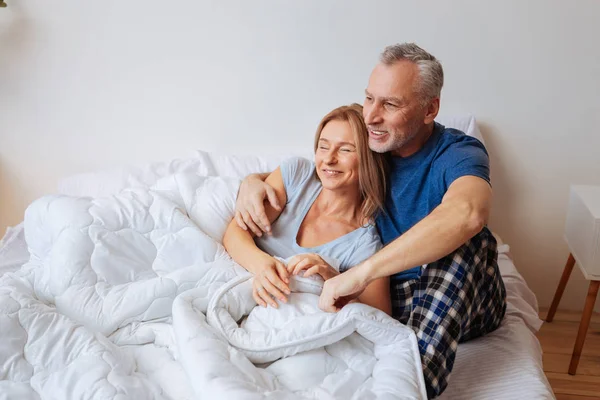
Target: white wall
x,y
89,85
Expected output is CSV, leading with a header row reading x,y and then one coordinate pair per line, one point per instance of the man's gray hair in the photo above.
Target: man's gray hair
x,y
431,73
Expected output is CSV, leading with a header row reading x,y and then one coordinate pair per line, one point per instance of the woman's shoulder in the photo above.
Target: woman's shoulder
x,y
364,246
297,165
370,234
296,173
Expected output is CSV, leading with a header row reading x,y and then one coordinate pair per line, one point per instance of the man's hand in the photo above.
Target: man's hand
x,y
249,206
312,264
340,290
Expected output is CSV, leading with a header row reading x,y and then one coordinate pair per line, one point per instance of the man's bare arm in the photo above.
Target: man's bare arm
x,y
462,214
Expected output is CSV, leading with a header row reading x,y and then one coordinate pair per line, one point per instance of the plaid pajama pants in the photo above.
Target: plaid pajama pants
x,y
455,299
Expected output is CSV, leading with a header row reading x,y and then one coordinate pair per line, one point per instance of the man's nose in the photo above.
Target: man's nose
x,y
372,115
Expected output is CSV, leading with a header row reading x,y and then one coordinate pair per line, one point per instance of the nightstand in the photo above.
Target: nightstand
x,y
582,234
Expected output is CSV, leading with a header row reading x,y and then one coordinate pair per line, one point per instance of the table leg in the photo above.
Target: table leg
x,y
583,325
561,287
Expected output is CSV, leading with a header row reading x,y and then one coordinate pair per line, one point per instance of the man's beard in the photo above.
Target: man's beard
x,y
395,141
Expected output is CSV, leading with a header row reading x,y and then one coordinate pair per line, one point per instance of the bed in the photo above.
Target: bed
x,y
506,364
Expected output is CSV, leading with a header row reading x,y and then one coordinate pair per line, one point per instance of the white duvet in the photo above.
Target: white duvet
x,y
132,297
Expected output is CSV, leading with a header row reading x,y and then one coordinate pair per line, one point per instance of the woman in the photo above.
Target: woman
x,y
329,212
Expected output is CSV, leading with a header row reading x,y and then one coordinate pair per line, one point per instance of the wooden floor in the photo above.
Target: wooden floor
x,y
557,339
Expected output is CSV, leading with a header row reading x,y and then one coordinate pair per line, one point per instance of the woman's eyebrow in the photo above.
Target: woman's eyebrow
x,y
341,143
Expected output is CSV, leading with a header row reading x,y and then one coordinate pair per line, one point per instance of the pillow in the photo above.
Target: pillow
x,y
465,123
239,166
104,183
108,182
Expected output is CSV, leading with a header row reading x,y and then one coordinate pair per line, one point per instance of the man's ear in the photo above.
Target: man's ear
x,y
432,110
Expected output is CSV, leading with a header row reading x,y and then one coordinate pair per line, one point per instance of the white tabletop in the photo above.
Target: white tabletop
x,y
590,195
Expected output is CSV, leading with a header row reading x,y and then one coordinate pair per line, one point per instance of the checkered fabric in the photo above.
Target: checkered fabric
x,y
455,299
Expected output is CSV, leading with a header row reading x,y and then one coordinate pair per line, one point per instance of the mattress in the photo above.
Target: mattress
x,y
506,364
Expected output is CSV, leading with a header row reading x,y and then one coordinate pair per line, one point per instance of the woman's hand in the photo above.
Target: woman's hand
x,y
312,264
270,281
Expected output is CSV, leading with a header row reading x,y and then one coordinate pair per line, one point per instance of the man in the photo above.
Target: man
x,y
442,259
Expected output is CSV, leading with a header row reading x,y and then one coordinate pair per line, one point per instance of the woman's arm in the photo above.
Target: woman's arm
x,y
239,243
377,294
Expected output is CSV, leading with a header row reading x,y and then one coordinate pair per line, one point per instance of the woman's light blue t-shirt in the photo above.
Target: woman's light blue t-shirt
x,y
302,188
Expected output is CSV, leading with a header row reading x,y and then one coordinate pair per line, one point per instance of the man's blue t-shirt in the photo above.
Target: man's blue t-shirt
x,y
417,183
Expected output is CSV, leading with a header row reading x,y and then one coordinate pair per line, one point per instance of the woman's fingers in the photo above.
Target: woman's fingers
x,y
272,289
292,263
304,264
314,270
284,275
266,297
257,298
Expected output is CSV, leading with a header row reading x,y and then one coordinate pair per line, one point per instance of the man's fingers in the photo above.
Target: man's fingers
x,y
240,221
260,217
342,301
250,224
327,300
327,303
272,197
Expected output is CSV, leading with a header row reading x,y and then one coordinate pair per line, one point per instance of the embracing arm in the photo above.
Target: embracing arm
x,y
250,211
376,294
240,245
461,215
239,242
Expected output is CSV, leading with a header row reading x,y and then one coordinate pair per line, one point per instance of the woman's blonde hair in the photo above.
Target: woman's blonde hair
x,y
372,167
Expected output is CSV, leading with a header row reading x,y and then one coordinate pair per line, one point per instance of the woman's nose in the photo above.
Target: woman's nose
x,y
330,157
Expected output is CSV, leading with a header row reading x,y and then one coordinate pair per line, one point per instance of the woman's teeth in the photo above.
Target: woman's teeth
x,y
331,172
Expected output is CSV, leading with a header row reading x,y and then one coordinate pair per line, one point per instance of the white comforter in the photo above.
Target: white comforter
x,y
132,296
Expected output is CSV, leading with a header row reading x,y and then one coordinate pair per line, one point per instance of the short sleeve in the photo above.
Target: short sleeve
x,y
467,157
295,172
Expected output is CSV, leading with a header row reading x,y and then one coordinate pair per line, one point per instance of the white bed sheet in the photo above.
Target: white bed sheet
x,y
506,364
